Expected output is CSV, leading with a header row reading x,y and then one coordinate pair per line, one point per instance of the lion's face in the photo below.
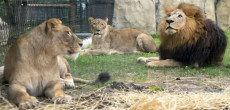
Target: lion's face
x,y
64,41
182,24
175,21
98,26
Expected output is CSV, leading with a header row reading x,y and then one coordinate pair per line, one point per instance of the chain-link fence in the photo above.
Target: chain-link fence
x,y
19,16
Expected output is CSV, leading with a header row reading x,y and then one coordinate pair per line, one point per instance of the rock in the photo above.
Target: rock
x,y
138,14
207,6
223,14
4,32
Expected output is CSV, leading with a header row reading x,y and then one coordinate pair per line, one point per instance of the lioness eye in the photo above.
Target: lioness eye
x,y
68,33
179,16
169,15
102,24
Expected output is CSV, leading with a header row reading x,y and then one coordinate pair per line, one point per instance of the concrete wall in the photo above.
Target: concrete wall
x,y
138,14
145,15
223,14
207,6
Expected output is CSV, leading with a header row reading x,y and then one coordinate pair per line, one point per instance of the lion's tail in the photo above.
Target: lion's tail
x,y
102,77
86,43
1,72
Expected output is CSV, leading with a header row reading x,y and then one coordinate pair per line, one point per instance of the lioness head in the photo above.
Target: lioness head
x,y
98,26
64,41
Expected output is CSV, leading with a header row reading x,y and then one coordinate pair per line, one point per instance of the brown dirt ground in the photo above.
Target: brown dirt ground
x,y
180,93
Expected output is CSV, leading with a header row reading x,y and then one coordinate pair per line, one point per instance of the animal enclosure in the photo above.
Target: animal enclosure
x,y
132,85
20,16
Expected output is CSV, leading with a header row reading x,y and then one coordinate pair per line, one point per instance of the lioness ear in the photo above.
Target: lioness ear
x,y
169,9
52,24
106,20
90,19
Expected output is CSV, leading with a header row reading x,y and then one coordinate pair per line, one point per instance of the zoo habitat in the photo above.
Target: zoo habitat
x,y
114,54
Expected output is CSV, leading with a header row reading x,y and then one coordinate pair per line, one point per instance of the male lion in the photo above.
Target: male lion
x,y
188,39
106,40
34,65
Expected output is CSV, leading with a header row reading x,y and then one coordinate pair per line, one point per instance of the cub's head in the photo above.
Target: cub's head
x,y
62,40
98,26
181,18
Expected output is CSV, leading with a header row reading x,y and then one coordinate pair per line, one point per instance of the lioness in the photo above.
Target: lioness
x,y
33,63
106,40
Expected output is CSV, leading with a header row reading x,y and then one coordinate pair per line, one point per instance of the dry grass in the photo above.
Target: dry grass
x,y
183,101
123,98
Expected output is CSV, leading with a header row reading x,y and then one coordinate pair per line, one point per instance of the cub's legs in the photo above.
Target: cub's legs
x,y
20,97
54,91
146,43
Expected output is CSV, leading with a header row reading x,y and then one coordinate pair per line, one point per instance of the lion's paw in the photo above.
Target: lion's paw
x,y
142,59
152,59
29,103
152,64
62,99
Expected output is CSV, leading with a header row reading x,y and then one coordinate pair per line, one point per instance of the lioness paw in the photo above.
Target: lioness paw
x,y
62,99
69,83
29,103
142,59
62,82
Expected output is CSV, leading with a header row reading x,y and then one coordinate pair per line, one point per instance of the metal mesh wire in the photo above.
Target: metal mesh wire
x,y
19,16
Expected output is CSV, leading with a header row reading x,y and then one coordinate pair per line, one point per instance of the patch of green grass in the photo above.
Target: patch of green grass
x,y
156,88
126,68
117,65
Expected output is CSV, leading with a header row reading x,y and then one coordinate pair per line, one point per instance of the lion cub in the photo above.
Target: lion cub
x,y
32,64
106,40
